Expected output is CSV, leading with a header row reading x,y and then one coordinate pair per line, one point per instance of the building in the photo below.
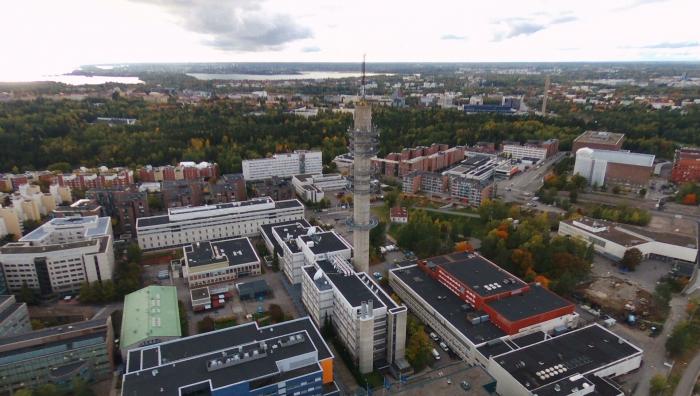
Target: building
x,y
488,108
206,263
398,214
580,362
234,183
603,167
426,182
313,187
298,244
289,358
183,171
150,316
126,204
366,320
425,159
276,188
344,163
182,193
79,208
598,140
470,303
61,255
686,166
183,226
283,165
533,152
56,355
11,220
14,317
613,239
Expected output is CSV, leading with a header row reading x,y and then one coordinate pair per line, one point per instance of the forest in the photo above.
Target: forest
x,y
36,134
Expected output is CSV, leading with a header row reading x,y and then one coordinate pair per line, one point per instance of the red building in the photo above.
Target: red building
x,y
510,303
686,165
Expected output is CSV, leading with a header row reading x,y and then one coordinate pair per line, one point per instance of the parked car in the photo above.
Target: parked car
x,y
444,346
433,336
436,354
465,385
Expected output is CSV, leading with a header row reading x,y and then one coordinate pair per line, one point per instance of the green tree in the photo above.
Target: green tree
x,y
184,322
658,385
27,295
418,348
155,202
81,388
134,254
631,259
681,339
47,390
276,313
205,325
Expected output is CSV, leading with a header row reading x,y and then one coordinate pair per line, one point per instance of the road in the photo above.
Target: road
x,y
526,182
689,378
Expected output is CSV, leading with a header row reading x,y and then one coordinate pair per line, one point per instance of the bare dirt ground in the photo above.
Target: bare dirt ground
x,y
618,296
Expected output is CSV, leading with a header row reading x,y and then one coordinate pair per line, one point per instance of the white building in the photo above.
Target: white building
x,y
183,226
298,244
613,240
313,187
283,165
207,263
14,317
601,166
366,320
519,151
60,255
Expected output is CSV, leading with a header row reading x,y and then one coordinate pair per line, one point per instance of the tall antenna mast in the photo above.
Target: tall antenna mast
x,y
546,94
362,89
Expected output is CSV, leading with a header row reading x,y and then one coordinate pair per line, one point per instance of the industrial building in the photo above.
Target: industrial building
x,y
603,167
686,165
366,320
210,262
289,358
61,255
14,316
471,302
598,140
283,165
183,226
580,362
298,245
57,355
613,239
150,316
312,188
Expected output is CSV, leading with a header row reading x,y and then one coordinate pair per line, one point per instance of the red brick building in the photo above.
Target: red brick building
x,y
686,165
598,140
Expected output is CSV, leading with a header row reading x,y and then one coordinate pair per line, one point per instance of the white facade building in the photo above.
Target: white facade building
x,y
518,151
283,165
207,263
595,165
60,255
183,226
313,187
613,240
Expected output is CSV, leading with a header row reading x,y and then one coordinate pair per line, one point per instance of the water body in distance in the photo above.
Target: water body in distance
x,y
305,75
70,79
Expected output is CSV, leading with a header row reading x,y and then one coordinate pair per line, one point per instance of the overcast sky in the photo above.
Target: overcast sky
x,y
49,36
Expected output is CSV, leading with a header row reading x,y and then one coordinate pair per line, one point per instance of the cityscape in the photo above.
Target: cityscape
x,y
266,204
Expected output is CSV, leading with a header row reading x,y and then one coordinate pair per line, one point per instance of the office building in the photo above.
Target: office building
x,y
603,167
598,140
14,317
59,256
283,165
56,355
613,239
150,316
312,188
532,152
580,362
183,171
299,245
366,320
182,226
471,302
206,263
288,358
686,166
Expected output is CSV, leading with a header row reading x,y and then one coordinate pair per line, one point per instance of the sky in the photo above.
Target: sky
x,y
49,36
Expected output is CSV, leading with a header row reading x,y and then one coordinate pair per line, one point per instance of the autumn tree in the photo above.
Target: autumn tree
x,y
631,259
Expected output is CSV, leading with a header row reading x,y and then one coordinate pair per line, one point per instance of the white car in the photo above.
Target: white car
x,y
436,354
433,336
444,346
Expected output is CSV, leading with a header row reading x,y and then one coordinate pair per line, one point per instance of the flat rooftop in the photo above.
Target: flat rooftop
x,y
325,242
600,137
624,234
448,305
479,274
236,251
349,285
576,352
535,301
168,366
291,226
26,248
71,329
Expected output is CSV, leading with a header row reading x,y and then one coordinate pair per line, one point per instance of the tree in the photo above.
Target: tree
x,y
658,384
276,313
631,259
616,190
418,347
155,202
47,390
30,225
23,392
681,339
80,388
205,325
27,295
184,323
377,236
134,254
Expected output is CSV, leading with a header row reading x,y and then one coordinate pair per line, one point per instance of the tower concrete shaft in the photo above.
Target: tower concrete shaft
x,y
365,140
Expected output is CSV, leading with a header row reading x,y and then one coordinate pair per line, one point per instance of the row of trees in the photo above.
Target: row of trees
x,y
431,235
619,214
688,194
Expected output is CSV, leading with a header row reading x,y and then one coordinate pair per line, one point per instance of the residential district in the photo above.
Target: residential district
x,y
273,280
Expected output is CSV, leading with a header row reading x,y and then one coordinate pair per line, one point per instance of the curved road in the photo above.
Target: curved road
x,y
689,378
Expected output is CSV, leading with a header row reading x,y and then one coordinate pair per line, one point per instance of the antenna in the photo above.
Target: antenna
x,y
546,93
362,89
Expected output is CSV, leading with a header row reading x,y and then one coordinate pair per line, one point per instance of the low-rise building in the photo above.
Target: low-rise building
x,y
602,167
79,208
398,214
613,239
289,358
183,226
313,187
531,151
686,166
14,316
366,320
57,355
283,165
59,256
210,262
598,140
150,316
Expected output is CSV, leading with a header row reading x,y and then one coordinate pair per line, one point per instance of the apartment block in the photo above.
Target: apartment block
x,y
283,165
425,159
14,317
183,171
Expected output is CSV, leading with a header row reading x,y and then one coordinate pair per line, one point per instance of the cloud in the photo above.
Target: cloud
x,y
234,25
515,29
563,19
311,49
673,45
525,26
452,37
637,3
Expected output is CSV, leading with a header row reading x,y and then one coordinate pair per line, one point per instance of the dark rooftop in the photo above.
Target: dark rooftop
x,y
536,301
604,387
577,352
479,274
448,305
267,230
325,242
237,251
186,361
